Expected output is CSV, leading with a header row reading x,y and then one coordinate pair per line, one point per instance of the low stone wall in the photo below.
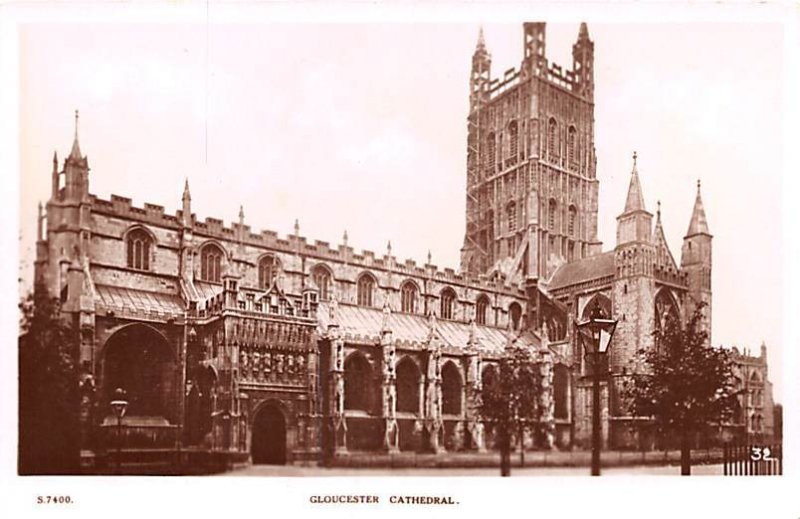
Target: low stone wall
x,y
531,459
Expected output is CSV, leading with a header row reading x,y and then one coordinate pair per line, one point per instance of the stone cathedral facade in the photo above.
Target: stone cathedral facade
x,y
288,350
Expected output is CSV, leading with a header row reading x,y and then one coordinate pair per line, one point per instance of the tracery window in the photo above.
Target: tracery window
x,y
513,138
139,245
491,151
408,376
511,211
211,263
552,140
572,143
573,216
357,383
408,297
666,311
447,303
551,215
322,279
451,389
268,269
481,307
365,289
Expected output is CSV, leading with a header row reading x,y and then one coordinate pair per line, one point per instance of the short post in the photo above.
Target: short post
x,y
119,404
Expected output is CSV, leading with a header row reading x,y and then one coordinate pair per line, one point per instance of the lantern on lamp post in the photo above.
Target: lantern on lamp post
x,y
595,336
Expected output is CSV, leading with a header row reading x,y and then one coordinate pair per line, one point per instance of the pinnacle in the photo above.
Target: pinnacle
x,y
75,153
635,200
698,224
481,41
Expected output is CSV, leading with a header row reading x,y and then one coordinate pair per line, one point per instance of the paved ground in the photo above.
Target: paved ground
x,y
271,470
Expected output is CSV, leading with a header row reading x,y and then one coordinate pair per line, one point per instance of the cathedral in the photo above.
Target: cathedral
x,y
288,350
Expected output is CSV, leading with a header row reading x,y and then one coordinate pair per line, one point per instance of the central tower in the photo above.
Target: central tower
x,y
531,165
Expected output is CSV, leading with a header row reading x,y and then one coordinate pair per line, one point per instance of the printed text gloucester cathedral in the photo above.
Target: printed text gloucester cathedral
x,y
282,349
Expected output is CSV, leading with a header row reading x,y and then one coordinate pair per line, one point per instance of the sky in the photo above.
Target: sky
x,y
362,127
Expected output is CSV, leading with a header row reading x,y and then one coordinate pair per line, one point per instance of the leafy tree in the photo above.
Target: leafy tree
x,y
48,389
509,400
685,384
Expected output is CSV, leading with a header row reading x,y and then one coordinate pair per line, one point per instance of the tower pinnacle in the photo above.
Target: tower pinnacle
x,y
635,200
698,224
76,149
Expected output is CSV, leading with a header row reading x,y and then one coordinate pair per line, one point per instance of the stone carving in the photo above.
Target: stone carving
x,y
279,363
267,363
338,362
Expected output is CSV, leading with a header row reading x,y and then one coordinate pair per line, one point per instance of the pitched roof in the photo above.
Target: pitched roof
x,y
582,270
698,224
120,298
635,200
411,331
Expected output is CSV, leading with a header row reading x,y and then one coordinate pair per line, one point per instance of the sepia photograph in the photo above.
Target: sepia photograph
x,y
542,244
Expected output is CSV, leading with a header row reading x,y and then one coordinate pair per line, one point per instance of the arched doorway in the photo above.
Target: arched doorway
x,y
138,359
268,443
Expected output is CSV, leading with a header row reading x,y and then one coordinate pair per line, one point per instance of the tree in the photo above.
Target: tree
x,y
48,389
685,384
509,399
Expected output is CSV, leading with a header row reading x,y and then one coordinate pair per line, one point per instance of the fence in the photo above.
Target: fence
x,y
753,460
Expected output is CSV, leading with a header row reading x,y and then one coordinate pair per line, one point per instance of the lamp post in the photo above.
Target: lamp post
x,y
119,405
595,335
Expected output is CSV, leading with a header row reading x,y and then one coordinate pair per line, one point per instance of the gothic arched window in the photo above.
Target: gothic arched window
x,y
513,140
666,311
552,208
408,376
511,211
357,383
447,303
481,307
572,144
211,263
139,245
365,288
573,216
552,139
322,279
451,389
268,268
515,312
408,297
491,151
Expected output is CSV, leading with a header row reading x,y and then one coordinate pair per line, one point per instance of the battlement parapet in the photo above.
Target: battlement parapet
x,y
123,207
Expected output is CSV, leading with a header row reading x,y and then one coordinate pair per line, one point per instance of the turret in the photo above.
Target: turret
x,y
634,289
583,63
480,74
696,261
534,60
76,171
635,223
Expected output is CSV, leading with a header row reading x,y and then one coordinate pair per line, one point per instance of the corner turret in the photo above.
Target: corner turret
x,y
696,261
583,63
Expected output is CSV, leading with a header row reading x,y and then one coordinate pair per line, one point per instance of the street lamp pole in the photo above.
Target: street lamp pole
x,y
595,334
596,425
119,405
